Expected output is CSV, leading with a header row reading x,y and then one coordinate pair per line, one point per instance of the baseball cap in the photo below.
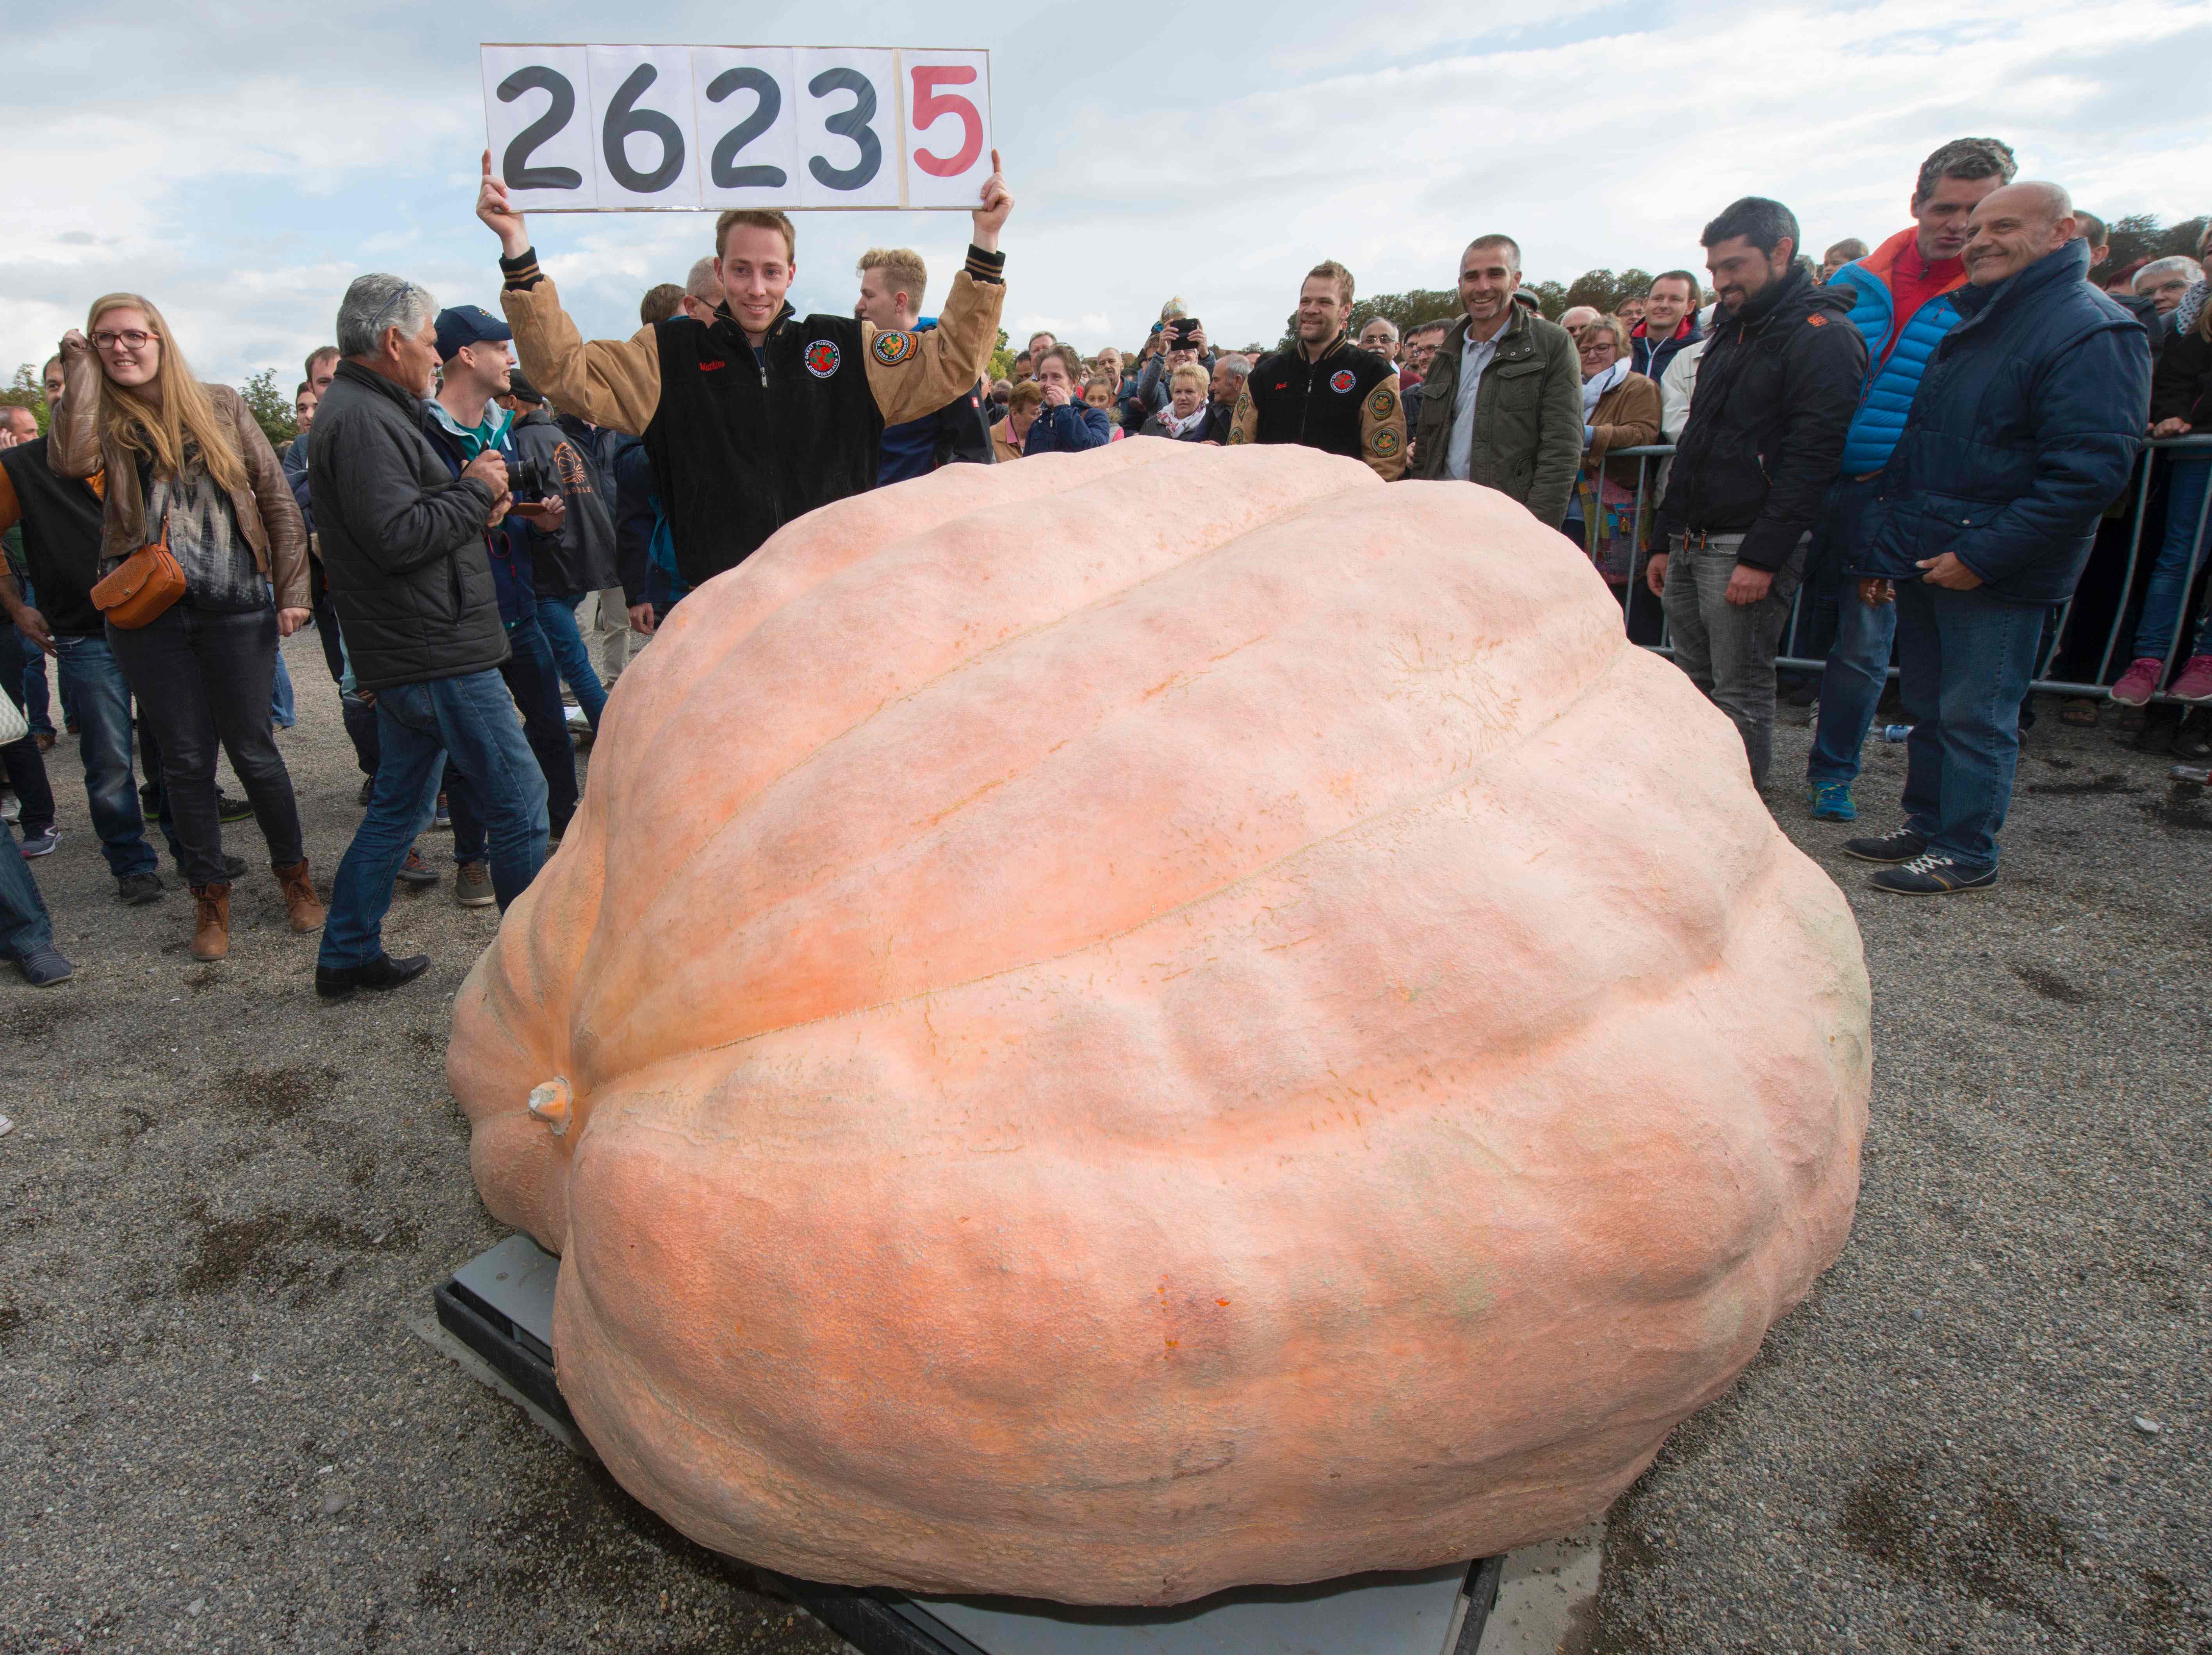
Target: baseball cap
x,y
465,325
521,388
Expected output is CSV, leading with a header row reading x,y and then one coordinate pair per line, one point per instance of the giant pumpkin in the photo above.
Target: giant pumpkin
x,y
1134,1022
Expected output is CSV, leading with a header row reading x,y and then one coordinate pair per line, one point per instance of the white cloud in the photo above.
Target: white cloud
x,y
243,199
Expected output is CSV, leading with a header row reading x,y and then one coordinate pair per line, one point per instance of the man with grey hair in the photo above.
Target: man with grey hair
x,y
2166,281
1225,385
403,540
1501,403
703,291
1380,337
2025,428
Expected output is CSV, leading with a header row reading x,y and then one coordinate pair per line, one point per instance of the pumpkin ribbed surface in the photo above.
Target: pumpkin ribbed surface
x,y
1147,1020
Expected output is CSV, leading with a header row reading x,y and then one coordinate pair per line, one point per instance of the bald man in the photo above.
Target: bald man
x,y
2024,430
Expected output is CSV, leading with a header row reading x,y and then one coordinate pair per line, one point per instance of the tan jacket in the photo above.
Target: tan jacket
x,y
267,514
1627,416
616,382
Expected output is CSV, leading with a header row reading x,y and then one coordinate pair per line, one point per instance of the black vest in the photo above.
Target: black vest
x,y
1317,403
61,539
740,446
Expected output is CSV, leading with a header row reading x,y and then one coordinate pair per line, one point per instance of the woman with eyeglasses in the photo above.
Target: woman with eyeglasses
x,y
186,462
1620,410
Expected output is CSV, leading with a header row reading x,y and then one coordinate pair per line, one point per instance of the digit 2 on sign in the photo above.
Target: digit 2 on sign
x,y
748,125
537,120
947,139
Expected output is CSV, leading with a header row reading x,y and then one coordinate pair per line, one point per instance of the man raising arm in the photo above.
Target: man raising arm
x,y
760,416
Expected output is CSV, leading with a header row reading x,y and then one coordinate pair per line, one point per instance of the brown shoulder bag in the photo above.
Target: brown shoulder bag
x,y
143,585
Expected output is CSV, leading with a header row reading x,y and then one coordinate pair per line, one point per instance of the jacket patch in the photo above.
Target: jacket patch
x,y
1382,402
1386,442
822,358
1816,321
892,349
1343,380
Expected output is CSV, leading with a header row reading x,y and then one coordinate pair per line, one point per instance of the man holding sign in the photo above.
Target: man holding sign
x,y
761,415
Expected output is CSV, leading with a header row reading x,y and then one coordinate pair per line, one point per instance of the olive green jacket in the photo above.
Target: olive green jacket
x,y
1528,415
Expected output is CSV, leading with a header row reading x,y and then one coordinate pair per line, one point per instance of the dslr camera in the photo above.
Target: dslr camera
x,y
530,479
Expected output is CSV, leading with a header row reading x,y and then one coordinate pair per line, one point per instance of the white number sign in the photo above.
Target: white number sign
x,y
625,128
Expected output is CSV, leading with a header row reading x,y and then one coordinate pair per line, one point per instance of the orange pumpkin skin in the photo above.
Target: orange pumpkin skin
x,y
1157,1019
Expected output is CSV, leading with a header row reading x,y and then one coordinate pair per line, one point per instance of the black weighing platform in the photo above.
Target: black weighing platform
x,y
499,1307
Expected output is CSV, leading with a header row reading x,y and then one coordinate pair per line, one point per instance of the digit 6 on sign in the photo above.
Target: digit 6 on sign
x,y
930,105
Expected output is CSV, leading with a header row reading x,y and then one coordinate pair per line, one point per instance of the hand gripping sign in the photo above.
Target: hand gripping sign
x,y
624,129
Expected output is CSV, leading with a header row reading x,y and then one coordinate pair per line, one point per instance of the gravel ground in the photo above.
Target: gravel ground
x,y
221,1203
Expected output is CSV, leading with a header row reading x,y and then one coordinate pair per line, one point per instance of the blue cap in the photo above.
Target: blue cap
x,y
463,325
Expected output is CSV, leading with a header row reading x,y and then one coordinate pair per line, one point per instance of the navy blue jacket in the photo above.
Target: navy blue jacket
x,y
2025,426
1068,429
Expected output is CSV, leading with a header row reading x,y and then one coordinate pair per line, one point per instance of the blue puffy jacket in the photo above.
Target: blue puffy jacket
x,y
2028,420
1888,397
1068,429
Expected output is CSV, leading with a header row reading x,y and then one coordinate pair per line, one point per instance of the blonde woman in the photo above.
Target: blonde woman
x,y
1620,410
185,460
1183,420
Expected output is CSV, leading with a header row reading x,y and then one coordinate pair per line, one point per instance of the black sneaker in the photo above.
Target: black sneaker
x,y
42,968
228,809
339,983
233,866
1932,876
1901,846
138,888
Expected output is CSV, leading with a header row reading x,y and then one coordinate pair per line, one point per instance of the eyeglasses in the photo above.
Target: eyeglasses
x,y
130,338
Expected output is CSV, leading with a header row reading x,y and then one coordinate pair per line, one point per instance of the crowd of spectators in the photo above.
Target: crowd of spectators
x,y
1917,449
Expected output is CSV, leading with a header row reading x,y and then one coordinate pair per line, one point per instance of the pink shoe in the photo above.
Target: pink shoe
x,y
2195,683
2140,682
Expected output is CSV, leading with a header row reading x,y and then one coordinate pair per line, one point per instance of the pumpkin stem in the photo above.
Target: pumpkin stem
x,y
550,1103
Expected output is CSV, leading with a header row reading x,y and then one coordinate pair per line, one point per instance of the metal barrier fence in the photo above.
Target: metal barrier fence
x,y
1640,599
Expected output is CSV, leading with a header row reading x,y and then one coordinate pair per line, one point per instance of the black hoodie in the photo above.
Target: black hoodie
x,y
1775,392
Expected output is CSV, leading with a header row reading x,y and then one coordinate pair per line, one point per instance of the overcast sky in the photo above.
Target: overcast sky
x,y
1215,153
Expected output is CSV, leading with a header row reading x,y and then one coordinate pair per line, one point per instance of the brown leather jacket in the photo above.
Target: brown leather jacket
x,y
267,514
1627,416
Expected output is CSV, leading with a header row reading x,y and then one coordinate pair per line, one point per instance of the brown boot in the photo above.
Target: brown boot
x,y
300,902
211,932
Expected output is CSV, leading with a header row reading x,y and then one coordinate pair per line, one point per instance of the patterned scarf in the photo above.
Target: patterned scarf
x,y
2192,307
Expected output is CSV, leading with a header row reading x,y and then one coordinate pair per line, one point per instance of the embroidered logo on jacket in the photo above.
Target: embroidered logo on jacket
x,y
892,349
1343,380
823,357
1382,402
1386,442
708,367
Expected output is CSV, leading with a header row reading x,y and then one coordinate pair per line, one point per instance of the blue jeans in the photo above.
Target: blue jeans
x,y
1965,661
25,927
2169,582
557,618
282,708
1858,665
468,723
93,680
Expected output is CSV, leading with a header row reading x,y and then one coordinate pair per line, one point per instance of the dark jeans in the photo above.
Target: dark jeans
x,y
1727,649
535,684
2175,565
93,682
201,675
1857,666
458,727
1965,661
359,718
25,927
557,618
26,766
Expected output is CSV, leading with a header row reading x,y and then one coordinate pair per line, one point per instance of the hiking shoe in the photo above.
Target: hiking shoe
x,y
36,845
339,982
42,968
137,890
2140,682
416,871
228,809
1901,846
472,885
441,818
1932,875
1831,801
2195,684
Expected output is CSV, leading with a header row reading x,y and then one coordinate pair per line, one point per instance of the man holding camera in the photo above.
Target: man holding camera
x,y
403,544
1327,393
764,415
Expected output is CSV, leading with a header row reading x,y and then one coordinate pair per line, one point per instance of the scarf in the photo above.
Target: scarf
x,y
1178,427
1593,388
2192,306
